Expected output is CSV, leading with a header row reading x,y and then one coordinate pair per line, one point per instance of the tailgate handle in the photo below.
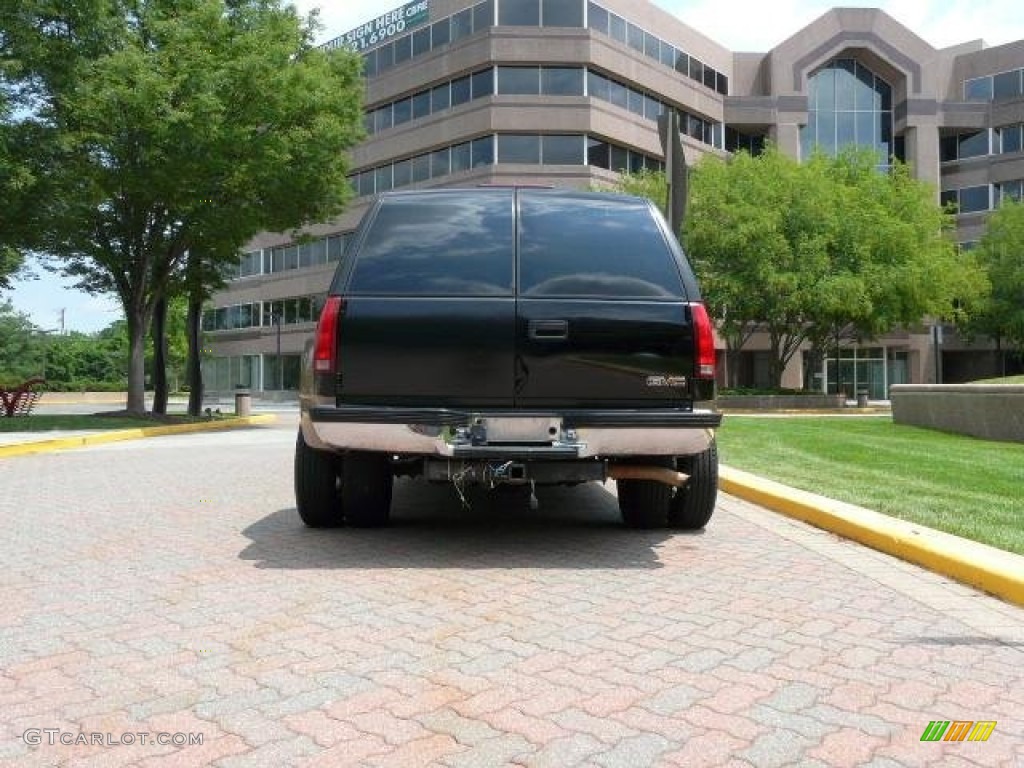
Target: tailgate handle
x,y
549,330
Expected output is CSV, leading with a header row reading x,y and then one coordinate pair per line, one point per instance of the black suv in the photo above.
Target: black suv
x,y
510,336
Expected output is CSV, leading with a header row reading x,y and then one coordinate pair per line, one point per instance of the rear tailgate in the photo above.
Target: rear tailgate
x,y
603,317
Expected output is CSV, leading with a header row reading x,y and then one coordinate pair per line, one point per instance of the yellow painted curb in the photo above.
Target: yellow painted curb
x,y
993,570
119,435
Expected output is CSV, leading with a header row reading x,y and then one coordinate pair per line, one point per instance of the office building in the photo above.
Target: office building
x,y
567,93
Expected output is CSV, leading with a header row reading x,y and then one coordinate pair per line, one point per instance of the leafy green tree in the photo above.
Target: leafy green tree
x,y
1000,313
817,251
175,126
21,352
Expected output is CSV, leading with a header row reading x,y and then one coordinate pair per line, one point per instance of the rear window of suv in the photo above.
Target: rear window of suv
x,y
439,244
588,246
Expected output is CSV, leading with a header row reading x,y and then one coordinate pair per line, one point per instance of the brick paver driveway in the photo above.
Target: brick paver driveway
x,y
166,587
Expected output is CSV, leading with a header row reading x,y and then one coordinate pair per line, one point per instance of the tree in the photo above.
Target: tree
x,y
1000,313
813,252
175,126
21,353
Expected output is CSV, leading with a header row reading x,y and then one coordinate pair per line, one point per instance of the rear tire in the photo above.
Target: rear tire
x,y
644,503
694,503
316,486
366,483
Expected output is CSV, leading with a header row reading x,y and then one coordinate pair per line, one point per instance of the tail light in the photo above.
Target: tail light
x,y
325,350
705,338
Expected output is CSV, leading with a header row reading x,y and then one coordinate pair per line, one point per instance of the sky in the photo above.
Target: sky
x,y
748,26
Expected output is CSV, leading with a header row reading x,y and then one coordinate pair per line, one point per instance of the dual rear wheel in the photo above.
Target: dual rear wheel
x,y
331,489
650,504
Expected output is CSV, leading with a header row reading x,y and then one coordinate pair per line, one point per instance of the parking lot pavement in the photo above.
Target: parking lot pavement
x,y
167,587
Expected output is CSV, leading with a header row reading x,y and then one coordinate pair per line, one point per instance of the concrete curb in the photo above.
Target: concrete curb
x,y
119,435
992,570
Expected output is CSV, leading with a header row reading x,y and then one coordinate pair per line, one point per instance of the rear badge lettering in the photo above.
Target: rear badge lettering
x,y
666,381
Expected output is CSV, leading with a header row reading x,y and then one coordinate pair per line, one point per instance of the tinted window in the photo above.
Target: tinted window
x,y
513,148
974,199
563,13
483,83
1006,85
460,91
973,144
979,89
421,41
462,24
483,15
597,18
562,81
1011,138
519,13
579,245
439,245
562,150
518,80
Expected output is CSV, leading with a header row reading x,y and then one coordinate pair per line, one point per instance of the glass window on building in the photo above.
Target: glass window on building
x,y
421,41
462,157
440,97
848,105
617,27
974,199
462,24
618,94
440,33
1009,139
598,86
978,89
598,153
402,111
973,144
382,178
482,83
402,173
634,37
483,151
519,13
335,247
403,49
420,105
516,148
461,91
440,162
1006,85
562,150
483,15
562,13
668,55
597,18
1009,190
561,81
420,168
519,80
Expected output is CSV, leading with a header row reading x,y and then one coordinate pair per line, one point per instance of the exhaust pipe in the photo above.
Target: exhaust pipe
x,y
660,474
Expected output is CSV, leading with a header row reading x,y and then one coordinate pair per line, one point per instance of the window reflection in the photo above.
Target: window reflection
x,y
849,105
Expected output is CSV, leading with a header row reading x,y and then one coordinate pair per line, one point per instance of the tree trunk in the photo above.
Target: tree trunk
x,y
159,334
136,319
195,372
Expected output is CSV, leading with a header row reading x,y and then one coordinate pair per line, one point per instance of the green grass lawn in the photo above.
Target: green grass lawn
x,y
967,487
48,422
